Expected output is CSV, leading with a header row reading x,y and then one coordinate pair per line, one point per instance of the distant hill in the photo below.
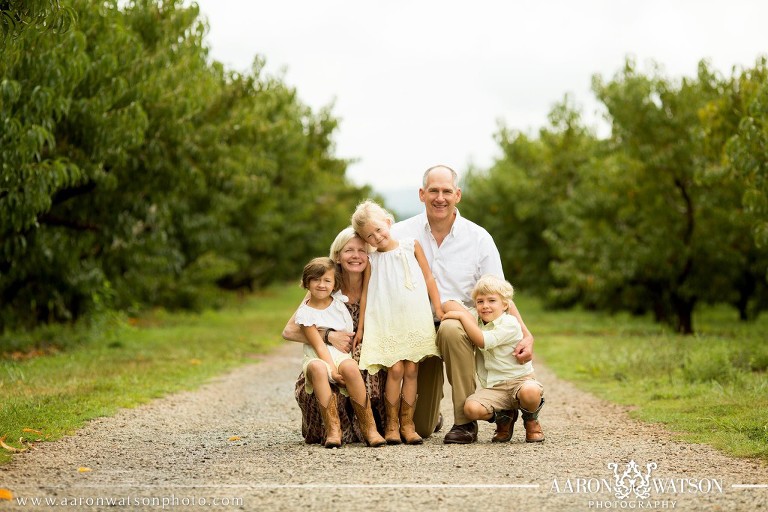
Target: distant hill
x,y
402,202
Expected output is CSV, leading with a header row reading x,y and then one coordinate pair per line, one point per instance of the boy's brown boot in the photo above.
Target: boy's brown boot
x,y
533,432
505,425
407,428
392,428
331,423
367,423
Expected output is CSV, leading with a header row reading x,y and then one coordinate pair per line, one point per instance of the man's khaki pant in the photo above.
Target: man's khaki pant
x,y
459,358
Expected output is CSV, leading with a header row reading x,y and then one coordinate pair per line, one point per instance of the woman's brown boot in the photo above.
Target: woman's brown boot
x,y
331,423
407,428
367,423
392,428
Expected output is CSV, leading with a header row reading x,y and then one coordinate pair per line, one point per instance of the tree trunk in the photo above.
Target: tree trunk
x,y
683,314
746,287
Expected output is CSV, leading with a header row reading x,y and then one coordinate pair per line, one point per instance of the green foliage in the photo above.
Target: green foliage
x,y
705,387
17,16
650,219
520,196
748,148
678,227
137,172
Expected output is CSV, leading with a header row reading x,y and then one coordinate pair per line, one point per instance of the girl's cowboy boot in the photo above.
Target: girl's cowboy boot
x,y
367,424
407,428
331,423
392,428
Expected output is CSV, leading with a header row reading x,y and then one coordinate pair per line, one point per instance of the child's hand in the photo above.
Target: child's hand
x,y
439,313
338,378
451,315
357,339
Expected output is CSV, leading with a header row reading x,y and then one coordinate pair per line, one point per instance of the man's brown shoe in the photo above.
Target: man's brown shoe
x,y
505,425
533,433
462,434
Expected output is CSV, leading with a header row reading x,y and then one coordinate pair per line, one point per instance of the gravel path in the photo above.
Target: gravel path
x,y
235,444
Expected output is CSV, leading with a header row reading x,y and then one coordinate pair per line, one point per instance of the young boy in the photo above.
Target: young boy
x,y
506,384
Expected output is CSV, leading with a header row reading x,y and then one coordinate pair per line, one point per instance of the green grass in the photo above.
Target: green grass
x,y
709,388
126,362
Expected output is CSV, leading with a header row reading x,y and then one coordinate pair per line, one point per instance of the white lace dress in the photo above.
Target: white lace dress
x,y
398,316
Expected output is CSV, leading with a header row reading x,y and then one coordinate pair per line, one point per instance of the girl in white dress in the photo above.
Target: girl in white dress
x,y
323,364
396,316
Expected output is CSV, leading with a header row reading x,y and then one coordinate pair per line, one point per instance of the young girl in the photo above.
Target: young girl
x,y
324,364
396,316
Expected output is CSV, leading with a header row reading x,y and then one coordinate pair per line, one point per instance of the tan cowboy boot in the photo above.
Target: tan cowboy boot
x,y
392,428
331,423
367,424
407,428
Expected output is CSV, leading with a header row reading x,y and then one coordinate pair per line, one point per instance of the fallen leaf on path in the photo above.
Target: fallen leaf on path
x,y
31,430
6,495
234,438
83,470
11,449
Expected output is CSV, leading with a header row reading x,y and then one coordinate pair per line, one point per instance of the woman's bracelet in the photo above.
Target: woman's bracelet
x,y
325,336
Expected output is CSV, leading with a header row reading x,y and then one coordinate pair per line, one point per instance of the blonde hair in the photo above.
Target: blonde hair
x,y
342,239
367,211
493,285
316,268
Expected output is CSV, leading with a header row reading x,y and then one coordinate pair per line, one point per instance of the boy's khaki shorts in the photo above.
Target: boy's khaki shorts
x,y
503,396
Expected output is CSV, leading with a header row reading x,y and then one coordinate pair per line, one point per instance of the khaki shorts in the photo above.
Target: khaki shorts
x,y
503,396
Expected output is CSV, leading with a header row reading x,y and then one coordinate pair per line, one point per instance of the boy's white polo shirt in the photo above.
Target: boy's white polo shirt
x,y
495,362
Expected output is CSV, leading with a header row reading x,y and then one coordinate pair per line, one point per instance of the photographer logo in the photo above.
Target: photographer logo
x,y
633,486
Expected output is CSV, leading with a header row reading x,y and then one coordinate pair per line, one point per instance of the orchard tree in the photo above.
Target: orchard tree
x,y
748,149
666,238
498,199
136,172
519,198
40,71
737,120
299,199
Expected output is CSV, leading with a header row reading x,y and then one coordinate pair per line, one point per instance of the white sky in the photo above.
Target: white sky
x,y
421,82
